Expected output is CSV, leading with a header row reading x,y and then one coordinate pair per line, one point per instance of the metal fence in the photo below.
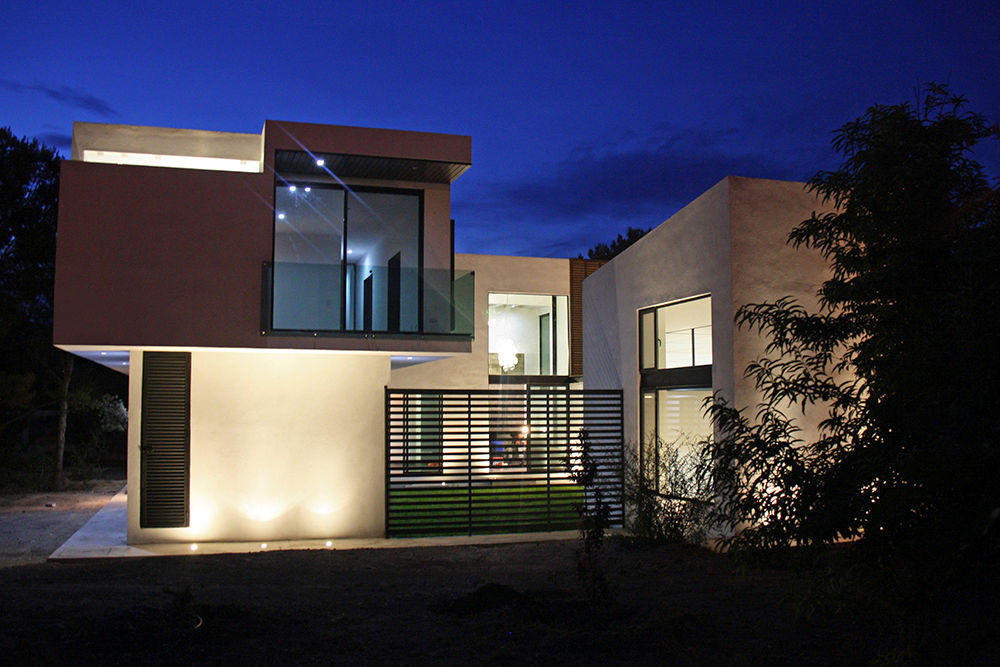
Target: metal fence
x,y
465,462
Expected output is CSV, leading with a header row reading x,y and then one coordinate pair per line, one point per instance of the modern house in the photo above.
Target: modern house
x,y
307,356
659,321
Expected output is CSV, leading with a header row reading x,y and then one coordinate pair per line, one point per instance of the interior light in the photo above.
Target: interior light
x,y
104,354
329,543
350,252
291,188
281,216
308,189
263,545
320,162
409,358
194,547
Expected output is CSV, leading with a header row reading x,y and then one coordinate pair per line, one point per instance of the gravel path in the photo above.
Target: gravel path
x,y
34,525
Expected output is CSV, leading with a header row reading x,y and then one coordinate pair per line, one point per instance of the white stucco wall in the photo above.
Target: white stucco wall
x,y
686,255
730,242
494,273
284,445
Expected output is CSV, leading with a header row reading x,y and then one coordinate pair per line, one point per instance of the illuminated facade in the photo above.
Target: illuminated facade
x,y
659,322
263,292
259,289
306,352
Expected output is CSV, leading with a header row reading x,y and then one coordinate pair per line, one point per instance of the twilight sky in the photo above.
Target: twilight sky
x,y
585,117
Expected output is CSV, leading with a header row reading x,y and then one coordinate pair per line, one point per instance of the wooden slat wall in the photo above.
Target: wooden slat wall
x,y
578,270
165,451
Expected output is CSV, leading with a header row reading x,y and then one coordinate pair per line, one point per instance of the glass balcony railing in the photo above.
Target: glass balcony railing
x,y
686,347
329,299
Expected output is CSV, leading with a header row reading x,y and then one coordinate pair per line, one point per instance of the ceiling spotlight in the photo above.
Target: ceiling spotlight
x,y
350,252
308,189
281,216
291,188
320,162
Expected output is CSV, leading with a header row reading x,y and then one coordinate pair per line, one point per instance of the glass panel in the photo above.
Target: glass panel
x,y
528,334
647,339
383,231
647,433
561,336
681,420
685,334
424,435
308,242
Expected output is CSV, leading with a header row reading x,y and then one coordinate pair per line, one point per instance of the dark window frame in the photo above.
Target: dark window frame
x,y
303,180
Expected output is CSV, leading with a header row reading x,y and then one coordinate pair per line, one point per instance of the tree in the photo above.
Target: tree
x,y
608,251
29,193
901,354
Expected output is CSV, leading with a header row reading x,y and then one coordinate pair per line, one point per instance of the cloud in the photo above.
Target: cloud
x,y
637,177
596,191
65,95
59,140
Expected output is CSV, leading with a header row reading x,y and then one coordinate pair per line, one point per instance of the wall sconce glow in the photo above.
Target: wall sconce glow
x,y
262,510
175,161
320,162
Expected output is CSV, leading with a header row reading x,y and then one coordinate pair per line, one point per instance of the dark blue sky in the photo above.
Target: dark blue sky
x,y
585,117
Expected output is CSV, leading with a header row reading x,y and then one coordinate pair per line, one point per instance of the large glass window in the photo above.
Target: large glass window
x,y
528,334
346,259
673,423
676,335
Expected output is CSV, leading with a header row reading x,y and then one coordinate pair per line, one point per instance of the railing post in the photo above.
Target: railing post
x,y
388,459
468,457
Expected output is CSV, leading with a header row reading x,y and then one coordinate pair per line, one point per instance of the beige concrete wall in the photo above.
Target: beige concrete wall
x,y
765,268
494,273
685,256
283,445
164,141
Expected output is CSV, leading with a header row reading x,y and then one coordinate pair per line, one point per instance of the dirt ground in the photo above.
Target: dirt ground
x,y
504,604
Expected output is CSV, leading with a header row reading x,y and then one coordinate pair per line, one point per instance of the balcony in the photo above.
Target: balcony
x,y
313,299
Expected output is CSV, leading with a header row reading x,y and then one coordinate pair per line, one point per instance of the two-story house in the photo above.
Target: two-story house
x,y
307,356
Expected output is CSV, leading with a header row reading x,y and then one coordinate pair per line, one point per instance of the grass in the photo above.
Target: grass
x,y
484,509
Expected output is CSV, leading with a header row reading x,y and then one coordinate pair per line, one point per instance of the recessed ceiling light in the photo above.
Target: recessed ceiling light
x,y
291,188
320,162
308,189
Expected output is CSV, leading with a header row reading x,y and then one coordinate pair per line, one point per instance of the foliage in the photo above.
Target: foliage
x,y
900,355
594,523
675,510
34,375
617,246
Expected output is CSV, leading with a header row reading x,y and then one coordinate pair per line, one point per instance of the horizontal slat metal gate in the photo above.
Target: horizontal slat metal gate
x,y
465,462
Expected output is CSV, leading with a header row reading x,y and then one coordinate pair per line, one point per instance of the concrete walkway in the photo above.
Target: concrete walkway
x,y
104,537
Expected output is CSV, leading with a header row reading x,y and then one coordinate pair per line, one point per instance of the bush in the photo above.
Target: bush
x,y
667,496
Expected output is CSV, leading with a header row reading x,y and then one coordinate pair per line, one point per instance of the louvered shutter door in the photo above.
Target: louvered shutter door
x,y
165,451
